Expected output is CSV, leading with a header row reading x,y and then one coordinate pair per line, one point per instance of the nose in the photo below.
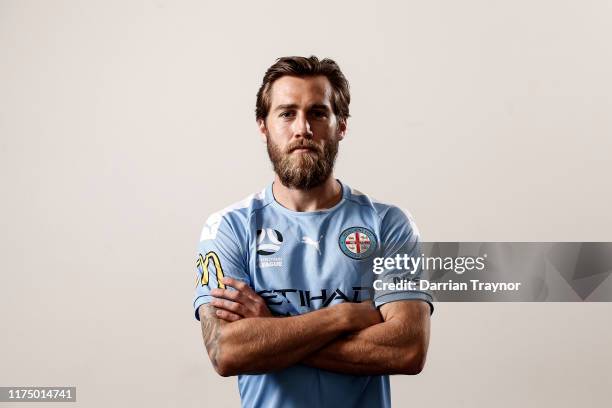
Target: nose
x,y
301,127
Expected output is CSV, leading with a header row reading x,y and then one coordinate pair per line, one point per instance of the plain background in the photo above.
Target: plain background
x,y
124,124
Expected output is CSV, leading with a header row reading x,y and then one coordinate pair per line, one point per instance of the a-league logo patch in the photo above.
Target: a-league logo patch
x,y
269,241
357,242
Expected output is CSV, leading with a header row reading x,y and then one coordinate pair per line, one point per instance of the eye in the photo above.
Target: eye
x,y
286,114
320,114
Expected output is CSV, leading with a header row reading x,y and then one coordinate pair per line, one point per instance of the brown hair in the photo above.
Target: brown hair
x,y
305,67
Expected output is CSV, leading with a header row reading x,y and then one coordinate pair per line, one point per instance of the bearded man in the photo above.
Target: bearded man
x,y
284,288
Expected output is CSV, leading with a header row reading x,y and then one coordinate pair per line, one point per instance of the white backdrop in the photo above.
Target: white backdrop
x,y
123,124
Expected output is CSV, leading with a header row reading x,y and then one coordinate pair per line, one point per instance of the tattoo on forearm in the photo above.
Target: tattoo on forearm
x,y
211,332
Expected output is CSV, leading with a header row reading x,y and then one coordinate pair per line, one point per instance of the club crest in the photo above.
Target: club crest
x,y
357,242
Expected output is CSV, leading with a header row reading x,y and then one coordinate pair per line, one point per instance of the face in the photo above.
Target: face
x,y
301,131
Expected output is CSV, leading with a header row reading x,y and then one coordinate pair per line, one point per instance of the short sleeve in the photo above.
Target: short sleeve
x,y
400,237
219,254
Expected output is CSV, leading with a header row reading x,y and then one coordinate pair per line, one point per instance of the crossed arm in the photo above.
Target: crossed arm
x,y
242,337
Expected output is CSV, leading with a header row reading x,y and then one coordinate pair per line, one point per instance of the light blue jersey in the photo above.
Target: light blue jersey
x,y
300,262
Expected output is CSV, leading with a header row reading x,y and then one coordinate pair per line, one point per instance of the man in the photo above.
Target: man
x,y
284,278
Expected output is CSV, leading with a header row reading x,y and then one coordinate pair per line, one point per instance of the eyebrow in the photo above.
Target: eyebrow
x,y
294,106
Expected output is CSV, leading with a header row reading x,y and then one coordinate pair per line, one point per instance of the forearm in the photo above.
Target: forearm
x,y
261,344
371,351
396,346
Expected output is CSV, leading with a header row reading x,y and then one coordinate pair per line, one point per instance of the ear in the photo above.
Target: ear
x,y
263,131
342,126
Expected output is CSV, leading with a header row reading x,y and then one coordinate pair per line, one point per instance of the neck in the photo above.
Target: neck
x,y
321,197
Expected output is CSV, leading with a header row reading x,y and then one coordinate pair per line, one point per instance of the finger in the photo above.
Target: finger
x,y
227,316
243,287
226,294
236,284
229,305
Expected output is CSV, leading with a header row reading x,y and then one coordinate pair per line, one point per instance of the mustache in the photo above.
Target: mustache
x,y
304,144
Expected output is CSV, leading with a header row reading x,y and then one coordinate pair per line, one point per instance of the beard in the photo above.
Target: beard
x,y
306,170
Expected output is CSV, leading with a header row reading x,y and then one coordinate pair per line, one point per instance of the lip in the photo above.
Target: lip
x,y
302,150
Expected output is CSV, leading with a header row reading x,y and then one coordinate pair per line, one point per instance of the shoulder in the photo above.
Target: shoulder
x,y
233,216
389,214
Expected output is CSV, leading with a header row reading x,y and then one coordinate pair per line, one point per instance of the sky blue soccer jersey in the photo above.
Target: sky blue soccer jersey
x,y
300,262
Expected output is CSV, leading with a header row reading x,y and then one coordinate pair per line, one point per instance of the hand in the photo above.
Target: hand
x,y
236,304
361,315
